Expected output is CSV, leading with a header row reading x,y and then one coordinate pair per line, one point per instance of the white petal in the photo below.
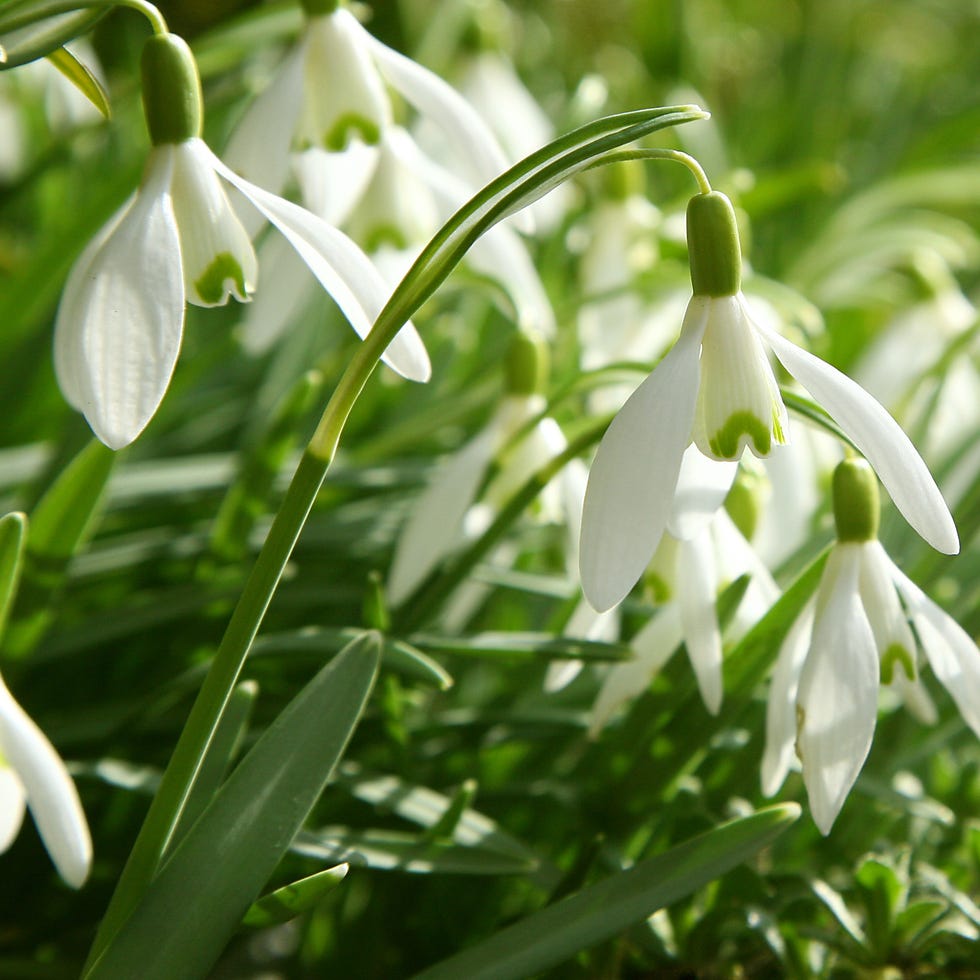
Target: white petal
x,y
953,656
631,484
879,438
702,486
120,329
68,366
287,289
696,594
13,805
342,269
216,251
435,523
653,646
51,794
260,144
837,702
780,751
879,596
584,623
469,135
331,184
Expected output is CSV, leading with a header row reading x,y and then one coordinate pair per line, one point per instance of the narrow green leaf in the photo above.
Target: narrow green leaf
x,y
524,646
13,531
59,525
198,898
558,932
82,78
289,901
22,44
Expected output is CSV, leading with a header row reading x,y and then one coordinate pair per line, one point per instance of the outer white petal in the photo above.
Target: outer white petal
x,y
879,437
342,269
953,656
68,366
435,523
120,330
702,486
51,794
631,484
331,184
13,804
697,584
586,624
470,136
780,751
837,702
653,646
260,144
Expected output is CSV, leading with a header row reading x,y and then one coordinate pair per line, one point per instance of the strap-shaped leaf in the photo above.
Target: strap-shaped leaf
x,y
559,931
198,898
82,78
29,34
13,531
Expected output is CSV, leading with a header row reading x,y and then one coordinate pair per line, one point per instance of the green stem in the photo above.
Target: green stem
x,y
659,154
12,21
184,766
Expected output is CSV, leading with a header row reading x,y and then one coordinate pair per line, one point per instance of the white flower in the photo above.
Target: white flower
x,y
328,108
689,575
32,774
119,325
824,693
715,387
447,514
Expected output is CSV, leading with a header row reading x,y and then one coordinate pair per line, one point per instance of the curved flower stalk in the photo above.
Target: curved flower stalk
x,y
32,775
120,321
852,637
687,575
716,388
326,111
448,512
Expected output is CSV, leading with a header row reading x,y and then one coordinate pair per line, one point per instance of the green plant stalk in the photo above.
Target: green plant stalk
x,y
508,193
32,12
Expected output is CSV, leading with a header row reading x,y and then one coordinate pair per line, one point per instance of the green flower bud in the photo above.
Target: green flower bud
x,y
172,99
713,245
856,503
526,365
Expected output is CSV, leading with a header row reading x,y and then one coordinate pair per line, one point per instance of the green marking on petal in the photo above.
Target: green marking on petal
x,y
384,235
658,587
346,127
210,287
896,653
725,443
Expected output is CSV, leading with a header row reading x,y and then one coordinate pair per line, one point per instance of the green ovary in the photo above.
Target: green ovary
x,y
339,135
726,442
211,285
896,653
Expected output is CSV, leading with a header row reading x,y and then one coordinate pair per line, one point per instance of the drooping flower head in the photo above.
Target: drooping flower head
x,y
851,638
177,239
716,388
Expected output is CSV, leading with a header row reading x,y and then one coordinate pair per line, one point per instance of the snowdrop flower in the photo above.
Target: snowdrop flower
x,y
851,638
448,513
32,775
716,387
326,111
686,576
119,325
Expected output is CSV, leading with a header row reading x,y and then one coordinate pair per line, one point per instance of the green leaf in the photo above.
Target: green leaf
x,y
289,901
82,78
556,933
524,646
13,531
198,898
59,525
29,41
